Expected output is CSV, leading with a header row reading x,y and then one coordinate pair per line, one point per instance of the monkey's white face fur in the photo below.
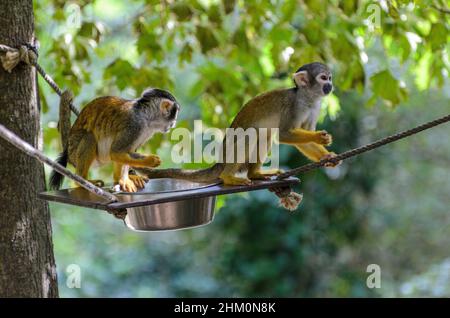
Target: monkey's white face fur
x,y
320,85
325,82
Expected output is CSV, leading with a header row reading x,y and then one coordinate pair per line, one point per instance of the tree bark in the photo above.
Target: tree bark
x,y
27,264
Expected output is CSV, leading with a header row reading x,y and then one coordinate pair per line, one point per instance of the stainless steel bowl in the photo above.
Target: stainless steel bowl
x,y
171,215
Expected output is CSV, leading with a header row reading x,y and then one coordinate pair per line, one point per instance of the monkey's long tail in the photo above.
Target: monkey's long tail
x,y
204,175
56,179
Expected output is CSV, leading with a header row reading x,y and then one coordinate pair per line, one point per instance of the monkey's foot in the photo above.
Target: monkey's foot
x,y
264,174
258,176
139,181
331,164
127,185
232,180
152,161
323,138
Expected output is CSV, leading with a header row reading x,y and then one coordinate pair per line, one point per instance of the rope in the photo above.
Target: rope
x,y
365,148
12,138
28,54
120,214
289,199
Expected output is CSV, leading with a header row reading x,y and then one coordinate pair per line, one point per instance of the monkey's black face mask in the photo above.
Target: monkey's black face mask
x,y
174,112
172,116
327,88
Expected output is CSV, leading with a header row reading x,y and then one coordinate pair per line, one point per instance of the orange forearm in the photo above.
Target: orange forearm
x,y
136,160
299,136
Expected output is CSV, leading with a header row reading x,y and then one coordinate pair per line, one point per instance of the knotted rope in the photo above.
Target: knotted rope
x,y
365,148
288,198
28,54
14,56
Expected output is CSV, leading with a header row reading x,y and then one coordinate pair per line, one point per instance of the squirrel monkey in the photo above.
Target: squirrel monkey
x,y
111,129
293,111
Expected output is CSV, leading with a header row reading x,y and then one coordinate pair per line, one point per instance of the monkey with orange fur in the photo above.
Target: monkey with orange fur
x,y
111,129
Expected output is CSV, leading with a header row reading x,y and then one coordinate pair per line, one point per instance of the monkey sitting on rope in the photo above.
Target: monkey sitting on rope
x,y
294,111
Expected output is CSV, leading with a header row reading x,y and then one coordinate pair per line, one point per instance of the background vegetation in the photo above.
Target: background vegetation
x,y
389,207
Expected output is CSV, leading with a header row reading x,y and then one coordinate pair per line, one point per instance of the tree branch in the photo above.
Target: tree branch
x,y
442,10
33,152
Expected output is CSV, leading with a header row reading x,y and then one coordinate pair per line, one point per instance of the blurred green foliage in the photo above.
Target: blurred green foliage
x,y
389,207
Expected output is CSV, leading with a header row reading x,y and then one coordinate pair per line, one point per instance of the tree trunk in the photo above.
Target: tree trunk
x,y
27,265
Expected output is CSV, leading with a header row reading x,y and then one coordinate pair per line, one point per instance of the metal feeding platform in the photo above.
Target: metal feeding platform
x,y
164,204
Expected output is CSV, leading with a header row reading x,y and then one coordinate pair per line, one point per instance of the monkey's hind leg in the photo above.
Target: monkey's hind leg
x,y
139,181
128,183
316,153
85,155
120,176
228,175
255,172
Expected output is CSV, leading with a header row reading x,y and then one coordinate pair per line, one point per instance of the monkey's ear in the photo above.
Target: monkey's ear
x,y
165,106
301,78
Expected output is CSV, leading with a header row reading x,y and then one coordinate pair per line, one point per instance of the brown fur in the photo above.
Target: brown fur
x,y
112,128
294,111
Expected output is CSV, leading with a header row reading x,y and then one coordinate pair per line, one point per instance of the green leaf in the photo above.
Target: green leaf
x,y
148,43
266,61
343,47
228,5
313,32
240,39
348,6
81,50
289,9
42,98
387,87
90,31
214,14
405,46
206,38
182,10
186,53
438,36
59,15
122,71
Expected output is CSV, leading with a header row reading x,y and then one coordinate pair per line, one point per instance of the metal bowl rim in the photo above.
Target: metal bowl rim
x,y
206,185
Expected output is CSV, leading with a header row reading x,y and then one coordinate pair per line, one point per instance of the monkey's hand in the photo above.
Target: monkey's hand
x,y
323,138
331,164
152,161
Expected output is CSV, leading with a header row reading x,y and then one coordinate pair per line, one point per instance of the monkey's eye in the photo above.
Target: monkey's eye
x,y
330,78
323,77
